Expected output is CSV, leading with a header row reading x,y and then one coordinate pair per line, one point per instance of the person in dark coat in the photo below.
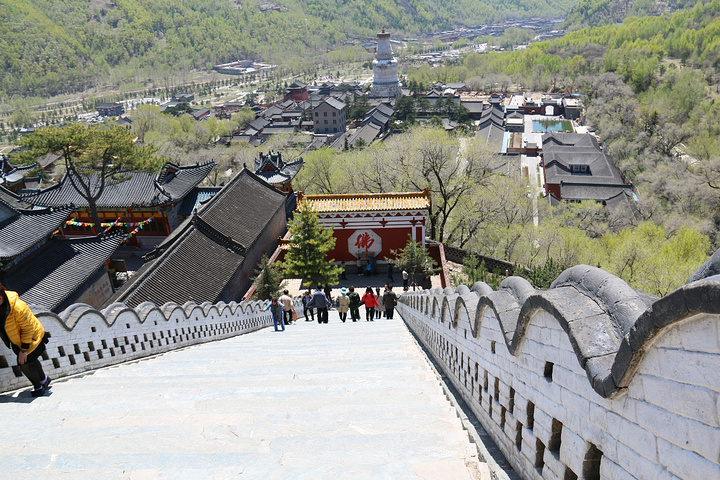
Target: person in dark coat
x,y
328,293
308,307
354,304
321,302
389,301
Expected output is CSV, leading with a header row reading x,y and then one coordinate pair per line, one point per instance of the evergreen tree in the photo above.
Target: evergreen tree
x,y
94,157
267,280
405,109
309,246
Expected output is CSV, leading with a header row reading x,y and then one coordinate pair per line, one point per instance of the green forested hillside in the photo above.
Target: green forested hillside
x,y
652,91
596,13
53,46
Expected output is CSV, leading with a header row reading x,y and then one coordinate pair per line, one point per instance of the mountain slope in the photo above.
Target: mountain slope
x,y
53,46
594,13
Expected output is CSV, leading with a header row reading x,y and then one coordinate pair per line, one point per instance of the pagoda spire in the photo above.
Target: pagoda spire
x,y
385,69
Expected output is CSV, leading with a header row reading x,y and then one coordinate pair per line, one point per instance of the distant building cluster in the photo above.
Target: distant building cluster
x,y
170,212
243,67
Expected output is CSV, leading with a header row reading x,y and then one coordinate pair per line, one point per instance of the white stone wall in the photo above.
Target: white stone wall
x,y
84,339
540,408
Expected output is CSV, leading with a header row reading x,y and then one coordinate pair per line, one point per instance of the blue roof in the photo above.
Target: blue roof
x,y
196,198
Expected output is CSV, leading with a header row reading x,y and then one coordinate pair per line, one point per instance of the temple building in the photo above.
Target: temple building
x,y
277,172
212,255
370,225
145,204
47,271
385,69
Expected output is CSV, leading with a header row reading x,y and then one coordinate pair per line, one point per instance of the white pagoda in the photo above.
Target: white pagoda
x,y
385,69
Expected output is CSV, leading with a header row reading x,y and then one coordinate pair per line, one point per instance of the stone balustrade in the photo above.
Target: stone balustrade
x,y
84,339
589,379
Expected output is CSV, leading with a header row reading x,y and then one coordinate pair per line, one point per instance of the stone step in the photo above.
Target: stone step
x,y
342,400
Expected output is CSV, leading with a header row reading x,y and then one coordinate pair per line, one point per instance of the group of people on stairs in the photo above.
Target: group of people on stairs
x,y
376,304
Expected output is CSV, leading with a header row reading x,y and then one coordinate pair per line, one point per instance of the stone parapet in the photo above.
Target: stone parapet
x,y
589,379
84,339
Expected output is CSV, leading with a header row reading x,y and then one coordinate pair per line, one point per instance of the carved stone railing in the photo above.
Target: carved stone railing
x,y
83,338
589,379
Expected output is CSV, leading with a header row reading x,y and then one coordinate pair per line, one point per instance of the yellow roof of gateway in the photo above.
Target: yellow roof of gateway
x,y
367,202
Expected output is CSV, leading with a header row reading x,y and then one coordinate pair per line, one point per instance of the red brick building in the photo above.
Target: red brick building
x,y
298,91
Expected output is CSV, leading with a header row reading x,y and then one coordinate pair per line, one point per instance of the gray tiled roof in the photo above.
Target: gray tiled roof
x,y
48,159
335,103
53,274
200,258
140,190
275,130
272,110
562,150
385,109
474,107
281,175
16,174
493,114
27,227
259,123
492,134
377,117
195,198
584,191
12,199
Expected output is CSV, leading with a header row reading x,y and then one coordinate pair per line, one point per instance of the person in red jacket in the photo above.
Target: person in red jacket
x,y
370,301
22,332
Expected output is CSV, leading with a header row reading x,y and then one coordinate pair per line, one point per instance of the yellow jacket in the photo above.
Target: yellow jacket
x,y
22,328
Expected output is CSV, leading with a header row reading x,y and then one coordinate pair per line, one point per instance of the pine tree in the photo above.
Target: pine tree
x,y
267,280
309,246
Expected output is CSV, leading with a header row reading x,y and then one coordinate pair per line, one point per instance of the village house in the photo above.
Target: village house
x,y
577,169
12,177
200,113
113,109
367,226
330,116
275,171
297,92
375,124
183,97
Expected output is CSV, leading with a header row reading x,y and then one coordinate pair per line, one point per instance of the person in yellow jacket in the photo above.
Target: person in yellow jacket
x,y
22,332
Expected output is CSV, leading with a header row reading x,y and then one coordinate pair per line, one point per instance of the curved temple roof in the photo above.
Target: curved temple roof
x,y
366,202
139,190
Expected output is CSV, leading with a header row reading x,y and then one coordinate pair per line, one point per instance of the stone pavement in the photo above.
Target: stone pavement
x,y
336,401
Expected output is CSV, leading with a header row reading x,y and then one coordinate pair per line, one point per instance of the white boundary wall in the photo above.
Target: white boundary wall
x,y
84,339
529,390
